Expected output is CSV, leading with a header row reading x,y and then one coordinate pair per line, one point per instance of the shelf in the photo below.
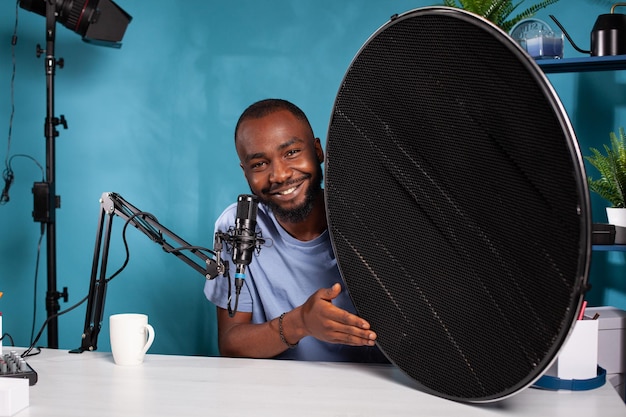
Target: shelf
x,y
618,248
584,64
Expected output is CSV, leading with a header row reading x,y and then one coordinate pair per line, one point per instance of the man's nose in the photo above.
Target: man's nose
x,y
280,172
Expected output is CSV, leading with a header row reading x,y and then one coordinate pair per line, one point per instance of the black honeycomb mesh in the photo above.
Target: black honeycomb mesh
x,y
457,204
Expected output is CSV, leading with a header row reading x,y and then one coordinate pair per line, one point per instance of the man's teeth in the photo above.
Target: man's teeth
x,y
289,191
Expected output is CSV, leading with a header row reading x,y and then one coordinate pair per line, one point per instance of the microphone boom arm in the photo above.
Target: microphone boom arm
x,y
111,204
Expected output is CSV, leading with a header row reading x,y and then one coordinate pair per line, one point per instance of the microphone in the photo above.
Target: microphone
x,y
244,236
243,240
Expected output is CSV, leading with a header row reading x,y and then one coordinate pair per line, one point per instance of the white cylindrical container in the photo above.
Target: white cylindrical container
x,y
617,217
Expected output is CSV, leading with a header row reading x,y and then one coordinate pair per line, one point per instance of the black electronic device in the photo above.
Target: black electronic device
x,y
12,365
603,234
457,204
101,22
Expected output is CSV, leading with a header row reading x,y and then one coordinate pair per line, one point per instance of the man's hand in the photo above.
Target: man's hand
x,y
329,323
317,317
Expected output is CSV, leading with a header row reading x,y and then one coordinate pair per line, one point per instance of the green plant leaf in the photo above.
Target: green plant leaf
x,y
612,168
499,11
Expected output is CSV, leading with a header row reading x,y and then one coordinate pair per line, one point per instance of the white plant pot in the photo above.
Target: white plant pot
x,y
617,217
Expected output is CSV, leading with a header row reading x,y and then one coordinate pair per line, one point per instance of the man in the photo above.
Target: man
x,y
292,304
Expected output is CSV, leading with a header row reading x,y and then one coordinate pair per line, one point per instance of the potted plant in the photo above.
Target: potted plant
x,y
498,11
612,182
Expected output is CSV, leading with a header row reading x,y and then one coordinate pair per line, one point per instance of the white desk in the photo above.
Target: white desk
x,y
90,384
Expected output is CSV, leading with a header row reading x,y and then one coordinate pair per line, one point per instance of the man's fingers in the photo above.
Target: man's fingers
x,y
363,338
348,329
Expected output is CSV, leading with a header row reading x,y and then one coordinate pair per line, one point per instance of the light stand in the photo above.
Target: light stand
x,y
45,199
100,22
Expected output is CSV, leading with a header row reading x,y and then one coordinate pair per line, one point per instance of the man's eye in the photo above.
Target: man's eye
x,y
293,152
258,165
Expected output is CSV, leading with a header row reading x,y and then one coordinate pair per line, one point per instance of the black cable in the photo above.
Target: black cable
x,y
10,338
7,174
160,239
22,155
126,248
191,248
116,273
32,330
231,310
13,43
32,345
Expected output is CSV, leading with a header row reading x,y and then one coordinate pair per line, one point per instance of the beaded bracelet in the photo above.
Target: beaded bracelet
x,y
282,335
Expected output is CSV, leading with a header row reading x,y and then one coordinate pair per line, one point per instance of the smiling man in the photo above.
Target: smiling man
x,y
292,304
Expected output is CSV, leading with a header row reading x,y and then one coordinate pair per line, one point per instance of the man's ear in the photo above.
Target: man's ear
x,y
244,171
318,150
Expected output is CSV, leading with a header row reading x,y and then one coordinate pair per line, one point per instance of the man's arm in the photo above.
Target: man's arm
x,y
317,317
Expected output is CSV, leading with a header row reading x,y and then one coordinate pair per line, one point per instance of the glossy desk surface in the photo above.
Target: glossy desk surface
x,y
90,384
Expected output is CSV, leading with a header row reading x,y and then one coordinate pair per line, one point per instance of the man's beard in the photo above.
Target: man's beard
x,y
301,212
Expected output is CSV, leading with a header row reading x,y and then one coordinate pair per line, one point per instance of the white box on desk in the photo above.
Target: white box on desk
x,y
14,395
612,344
611,338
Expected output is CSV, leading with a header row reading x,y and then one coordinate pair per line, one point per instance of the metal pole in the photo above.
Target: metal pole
x,y
52,295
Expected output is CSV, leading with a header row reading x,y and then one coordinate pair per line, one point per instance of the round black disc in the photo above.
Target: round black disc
x,y
457,204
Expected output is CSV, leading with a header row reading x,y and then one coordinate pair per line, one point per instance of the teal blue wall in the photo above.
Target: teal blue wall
x,y
153,121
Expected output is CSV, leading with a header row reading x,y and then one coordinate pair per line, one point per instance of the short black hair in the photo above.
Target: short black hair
x,y
268,106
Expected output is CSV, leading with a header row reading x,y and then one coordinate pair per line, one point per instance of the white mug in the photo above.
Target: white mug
x,y
131,337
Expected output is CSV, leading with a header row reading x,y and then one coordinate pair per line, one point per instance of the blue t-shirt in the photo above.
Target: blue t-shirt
x,y
281,277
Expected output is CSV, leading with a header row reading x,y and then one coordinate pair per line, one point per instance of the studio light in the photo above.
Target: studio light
x,y
101,22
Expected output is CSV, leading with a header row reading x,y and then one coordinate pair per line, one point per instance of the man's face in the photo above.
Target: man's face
x,y
281,160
